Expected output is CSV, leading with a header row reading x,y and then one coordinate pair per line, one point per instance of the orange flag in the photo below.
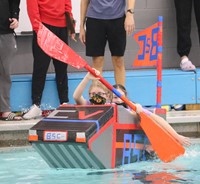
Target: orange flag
x,y
148,53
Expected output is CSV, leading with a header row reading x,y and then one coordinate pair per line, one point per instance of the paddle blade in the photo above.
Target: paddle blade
x,y
56,48
166,147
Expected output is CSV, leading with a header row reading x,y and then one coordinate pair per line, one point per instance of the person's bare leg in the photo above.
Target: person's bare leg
x,y
119,70
98,63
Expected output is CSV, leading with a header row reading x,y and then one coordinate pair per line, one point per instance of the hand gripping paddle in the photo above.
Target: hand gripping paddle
x,y
166,147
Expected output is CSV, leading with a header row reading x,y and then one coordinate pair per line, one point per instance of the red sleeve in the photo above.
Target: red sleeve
x,y
68,7
33,13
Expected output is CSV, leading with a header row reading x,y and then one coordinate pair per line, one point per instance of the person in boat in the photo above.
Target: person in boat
x,y
185,141
100,94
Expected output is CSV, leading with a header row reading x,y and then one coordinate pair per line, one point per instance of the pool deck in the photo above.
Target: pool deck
x,y
15,133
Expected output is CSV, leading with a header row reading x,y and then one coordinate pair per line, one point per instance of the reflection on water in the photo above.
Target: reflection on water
x,y
25,166
144,176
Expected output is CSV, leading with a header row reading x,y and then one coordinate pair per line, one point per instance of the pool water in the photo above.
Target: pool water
x,y
25,166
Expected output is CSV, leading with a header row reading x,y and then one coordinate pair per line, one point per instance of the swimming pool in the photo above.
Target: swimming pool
x,y
25,166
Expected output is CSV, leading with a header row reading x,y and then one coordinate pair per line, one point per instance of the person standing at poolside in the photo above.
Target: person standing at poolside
x,y
53,15
107,21
9,14
183,19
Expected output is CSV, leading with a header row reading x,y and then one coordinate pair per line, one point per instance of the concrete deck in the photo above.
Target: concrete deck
x,y
185,122
15,133
183,116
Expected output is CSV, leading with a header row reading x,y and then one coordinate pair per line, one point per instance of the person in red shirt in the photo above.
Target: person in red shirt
x,y
53,14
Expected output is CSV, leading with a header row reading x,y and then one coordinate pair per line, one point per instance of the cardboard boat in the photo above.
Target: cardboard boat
x,y
93,136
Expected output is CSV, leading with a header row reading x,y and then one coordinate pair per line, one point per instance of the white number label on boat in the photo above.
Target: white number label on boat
x,y
58,136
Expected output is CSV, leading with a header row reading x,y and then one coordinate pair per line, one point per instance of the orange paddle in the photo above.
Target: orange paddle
x,y
166,147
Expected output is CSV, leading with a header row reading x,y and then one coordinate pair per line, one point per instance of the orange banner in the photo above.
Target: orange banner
x,y
148,53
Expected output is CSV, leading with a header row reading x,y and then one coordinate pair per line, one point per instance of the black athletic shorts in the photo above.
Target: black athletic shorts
x,y
99,31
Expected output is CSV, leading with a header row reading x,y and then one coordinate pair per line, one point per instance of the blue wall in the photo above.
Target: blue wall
x,y
178,87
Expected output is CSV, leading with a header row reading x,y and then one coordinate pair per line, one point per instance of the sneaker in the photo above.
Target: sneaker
x,y
33,113
63,104
178,107
186,65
